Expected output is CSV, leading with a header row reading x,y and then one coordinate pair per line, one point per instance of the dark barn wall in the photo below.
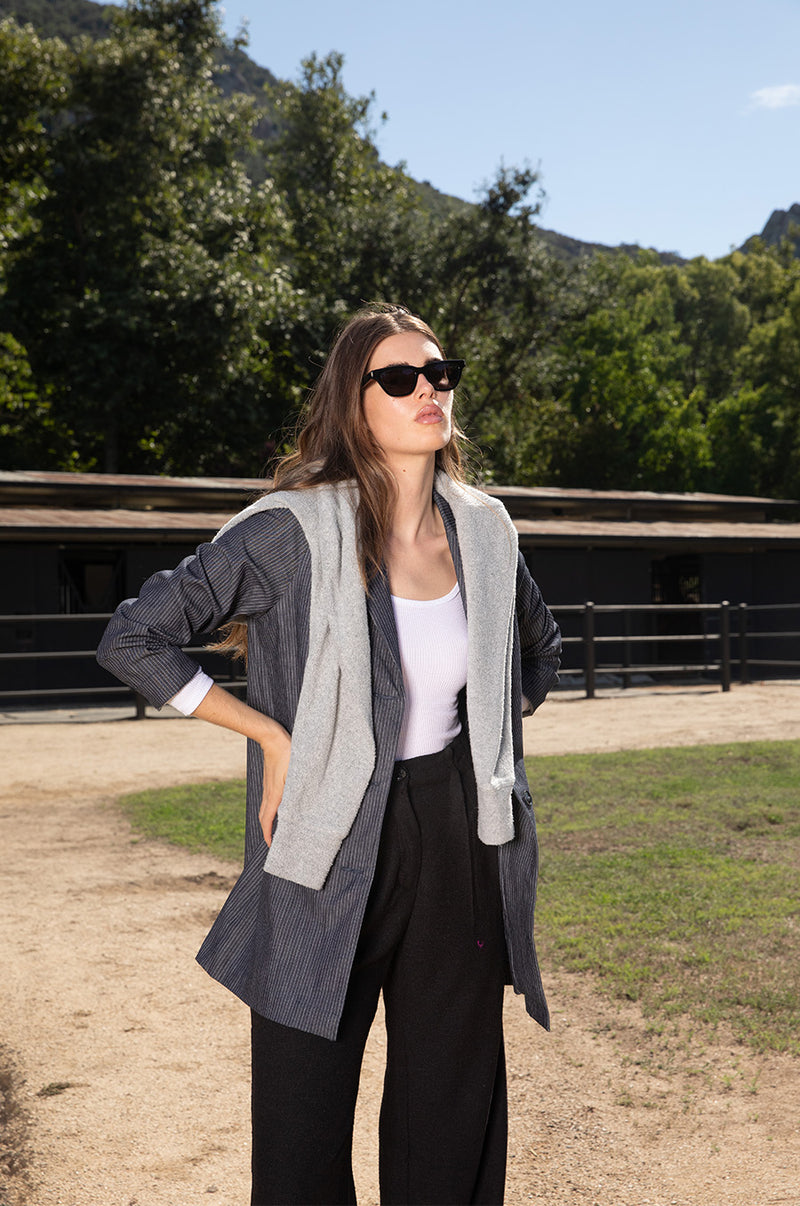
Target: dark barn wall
x,y
28,578
602,576
32,583
731,576
760,577
777,576
577,575
144,560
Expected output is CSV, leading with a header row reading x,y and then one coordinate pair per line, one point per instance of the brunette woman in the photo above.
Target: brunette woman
x,y
394,636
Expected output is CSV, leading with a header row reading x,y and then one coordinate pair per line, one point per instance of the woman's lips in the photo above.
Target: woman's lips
x,y
430,413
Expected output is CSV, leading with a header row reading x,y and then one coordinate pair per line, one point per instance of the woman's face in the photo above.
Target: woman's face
x,y
419,424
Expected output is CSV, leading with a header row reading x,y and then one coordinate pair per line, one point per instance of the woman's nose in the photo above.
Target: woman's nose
x,y
424,388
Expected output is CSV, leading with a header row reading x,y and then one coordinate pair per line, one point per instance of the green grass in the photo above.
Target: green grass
x,y
200,816
671,875
674,876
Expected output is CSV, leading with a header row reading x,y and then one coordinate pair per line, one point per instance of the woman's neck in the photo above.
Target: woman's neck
x,y
415,516
417,553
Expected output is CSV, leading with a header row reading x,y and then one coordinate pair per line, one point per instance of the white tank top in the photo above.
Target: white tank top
x,y
432,634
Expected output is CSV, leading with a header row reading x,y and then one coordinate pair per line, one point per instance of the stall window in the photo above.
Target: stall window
x,y
89,580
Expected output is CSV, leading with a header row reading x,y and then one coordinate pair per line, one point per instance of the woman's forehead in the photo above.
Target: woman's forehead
x,y
406,347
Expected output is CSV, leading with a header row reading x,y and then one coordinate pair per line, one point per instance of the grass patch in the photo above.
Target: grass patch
x,y
673,876
206,817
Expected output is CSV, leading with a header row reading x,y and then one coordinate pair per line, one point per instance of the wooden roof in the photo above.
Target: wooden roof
x,y
134,526
142,492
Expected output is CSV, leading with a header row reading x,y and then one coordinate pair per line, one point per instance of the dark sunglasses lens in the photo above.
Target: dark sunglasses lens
x,y
443,374
399,380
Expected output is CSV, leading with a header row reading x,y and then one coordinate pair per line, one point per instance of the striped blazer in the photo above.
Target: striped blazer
x,y
284,949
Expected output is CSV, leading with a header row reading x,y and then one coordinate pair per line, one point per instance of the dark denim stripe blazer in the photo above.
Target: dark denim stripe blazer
x,y
284,949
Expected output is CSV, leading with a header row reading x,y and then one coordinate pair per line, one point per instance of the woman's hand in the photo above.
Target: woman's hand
x,y
220,707
277,747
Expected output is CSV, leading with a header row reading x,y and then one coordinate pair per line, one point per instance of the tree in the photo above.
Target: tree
x,y
142,285
351,220
31,82
626,420
713,322
357,231
496,296
756,427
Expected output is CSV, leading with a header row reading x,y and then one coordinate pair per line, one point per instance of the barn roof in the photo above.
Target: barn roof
x,y
134,526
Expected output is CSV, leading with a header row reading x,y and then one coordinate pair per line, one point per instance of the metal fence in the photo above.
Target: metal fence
x,y
38,653
677,640
46,642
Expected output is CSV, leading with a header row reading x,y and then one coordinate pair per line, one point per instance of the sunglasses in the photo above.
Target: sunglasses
x,y
399,380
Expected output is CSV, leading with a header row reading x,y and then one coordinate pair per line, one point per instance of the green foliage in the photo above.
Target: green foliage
x,y
671,875
174,281
351,220
619,377
32,81
498,300
29,433
141,284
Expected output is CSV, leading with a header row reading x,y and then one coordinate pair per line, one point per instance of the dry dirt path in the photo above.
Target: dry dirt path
x,y
99,993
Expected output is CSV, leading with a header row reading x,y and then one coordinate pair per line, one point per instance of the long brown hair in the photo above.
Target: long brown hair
x,y
333,442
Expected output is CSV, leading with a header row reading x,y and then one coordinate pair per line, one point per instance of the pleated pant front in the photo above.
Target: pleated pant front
x,y
432,940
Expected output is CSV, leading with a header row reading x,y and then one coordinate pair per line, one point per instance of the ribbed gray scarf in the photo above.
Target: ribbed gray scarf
x,y
333,749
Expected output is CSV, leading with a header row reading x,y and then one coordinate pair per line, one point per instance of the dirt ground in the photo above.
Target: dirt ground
x,y
131,1064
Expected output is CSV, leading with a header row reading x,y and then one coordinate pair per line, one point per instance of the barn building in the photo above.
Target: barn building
x,y
75,544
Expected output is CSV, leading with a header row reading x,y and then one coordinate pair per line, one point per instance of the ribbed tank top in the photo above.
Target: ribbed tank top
x,y
432,635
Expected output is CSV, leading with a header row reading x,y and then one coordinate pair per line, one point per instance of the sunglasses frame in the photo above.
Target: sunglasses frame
x,y
451,368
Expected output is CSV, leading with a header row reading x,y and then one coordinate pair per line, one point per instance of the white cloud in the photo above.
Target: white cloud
x,y
779,96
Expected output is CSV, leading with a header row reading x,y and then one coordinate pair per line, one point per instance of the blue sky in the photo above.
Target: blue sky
x,y
673,125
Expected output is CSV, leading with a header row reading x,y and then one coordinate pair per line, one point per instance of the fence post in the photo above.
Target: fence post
x,y
744,669
626,648
725,642
588,648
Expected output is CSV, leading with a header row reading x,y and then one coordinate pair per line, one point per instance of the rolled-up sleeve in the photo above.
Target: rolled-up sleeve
x,y
241,574
540,640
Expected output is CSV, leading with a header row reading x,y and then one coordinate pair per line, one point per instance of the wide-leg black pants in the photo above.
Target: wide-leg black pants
x,y
433,941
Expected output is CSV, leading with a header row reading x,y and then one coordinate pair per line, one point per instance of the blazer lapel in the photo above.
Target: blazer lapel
x,y
382,625
452,539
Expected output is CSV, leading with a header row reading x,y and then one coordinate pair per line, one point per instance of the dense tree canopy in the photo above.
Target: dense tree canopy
x,y
161,312
141,278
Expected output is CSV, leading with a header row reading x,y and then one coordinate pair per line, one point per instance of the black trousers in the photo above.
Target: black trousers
x,y
433,941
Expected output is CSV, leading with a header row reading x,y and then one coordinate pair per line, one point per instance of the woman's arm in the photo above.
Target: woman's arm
x,y
243,573
222,708
540,640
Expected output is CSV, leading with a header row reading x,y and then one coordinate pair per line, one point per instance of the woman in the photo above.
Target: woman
x,y
390,838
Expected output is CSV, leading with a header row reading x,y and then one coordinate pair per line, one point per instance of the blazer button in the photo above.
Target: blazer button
x,y
400,774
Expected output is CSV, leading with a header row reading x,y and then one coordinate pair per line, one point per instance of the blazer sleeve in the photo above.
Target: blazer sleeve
x,y
540,640
243,573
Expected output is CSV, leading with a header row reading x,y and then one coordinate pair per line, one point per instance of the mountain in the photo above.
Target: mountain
x,y
60,18
781,224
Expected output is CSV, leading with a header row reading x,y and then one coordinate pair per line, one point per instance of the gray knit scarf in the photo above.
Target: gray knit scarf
x,y
333,749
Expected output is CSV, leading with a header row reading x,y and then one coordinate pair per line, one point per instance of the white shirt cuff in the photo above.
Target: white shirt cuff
x,y
193,694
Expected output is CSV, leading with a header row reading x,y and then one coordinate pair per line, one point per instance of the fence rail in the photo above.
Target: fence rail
x,y
40,657
724,644
722,638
